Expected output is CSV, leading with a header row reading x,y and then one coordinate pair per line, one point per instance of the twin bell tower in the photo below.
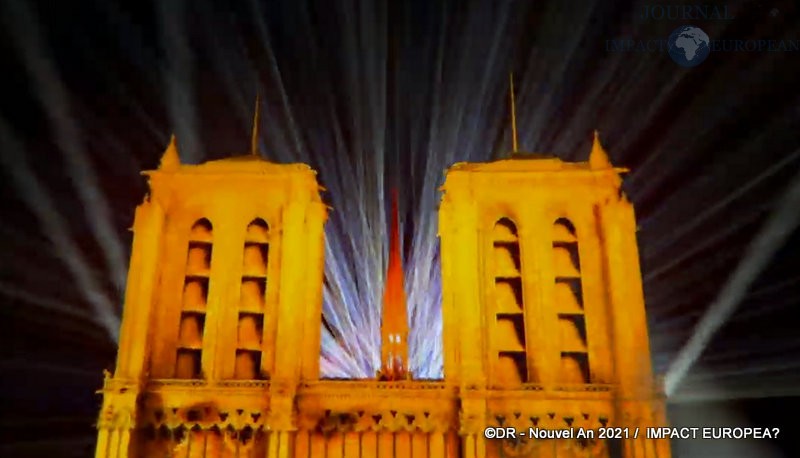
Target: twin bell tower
x,y
544,321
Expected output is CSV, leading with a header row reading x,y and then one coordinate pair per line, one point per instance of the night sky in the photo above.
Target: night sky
x,y
380,94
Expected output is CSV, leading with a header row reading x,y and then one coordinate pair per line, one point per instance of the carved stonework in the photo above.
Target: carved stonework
x,y
548,420
520,448
470,423
392,421
282,416
383,389
106,417
117,418
632,420
588,448
204,417
113,385
282,389
124,419
568,448
196,441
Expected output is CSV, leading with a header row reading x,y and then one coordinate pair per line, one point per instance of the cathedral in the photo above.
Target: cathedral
x,y
544,321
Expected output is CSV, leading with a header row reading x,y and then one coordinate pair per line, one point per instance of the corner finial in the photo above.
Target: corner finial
x,y
254,139
598,158
513,113
170,160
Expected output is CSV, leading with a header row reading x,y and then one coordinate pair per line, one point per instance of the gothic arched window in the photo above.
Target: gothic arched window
x,y
250,318
569,304
509,329
195,298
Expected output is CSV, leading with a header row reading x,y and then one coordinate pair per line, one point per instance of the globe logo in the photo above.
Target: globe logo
x,y
688,46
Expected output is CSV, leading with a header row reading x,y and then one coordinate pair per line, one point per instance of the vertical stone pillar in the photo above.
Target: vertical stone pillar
x,y
134,345
220,333
461,254
281,421
450,318
101,450
595,298
315,230
169,295
117,417
124,442
290,313
466,268
659,418
472,422
631,346
537,290
115,424
293,293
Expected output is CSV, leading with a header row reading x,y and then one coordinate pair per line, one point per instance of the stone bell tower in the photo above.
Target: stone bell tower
x,y
222,311
544,317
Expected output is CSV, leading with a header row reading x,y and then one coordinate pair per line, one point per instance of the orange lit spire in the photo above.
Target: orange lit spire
x,y
394,326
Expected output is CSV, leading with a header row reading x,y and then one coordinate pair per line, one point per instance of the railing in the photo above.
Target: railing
x,y
321,387
180,383
372,385
355,385
243,383
158,383
550,388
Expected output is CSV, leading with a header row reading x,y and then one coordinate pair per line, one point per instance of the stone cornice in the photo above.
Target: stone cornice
x,y
344,406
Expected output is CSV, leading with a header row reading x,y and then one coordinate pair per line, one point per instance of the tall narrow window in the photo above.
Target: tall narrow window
x,y
195,298
252,303
569,304
509,330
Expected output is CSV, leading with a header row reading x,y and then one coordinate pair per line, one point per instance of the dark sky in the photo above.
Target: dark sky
x,y
375,94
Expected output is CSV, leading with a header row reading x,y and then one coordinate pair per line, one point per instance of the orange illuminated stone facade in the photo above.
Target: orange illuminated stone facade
x,y
544,321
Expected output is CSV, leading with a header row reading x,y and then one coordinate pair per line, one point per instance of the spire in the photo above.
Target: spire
x,y
598,158
254,138
513,114
394,326
170,160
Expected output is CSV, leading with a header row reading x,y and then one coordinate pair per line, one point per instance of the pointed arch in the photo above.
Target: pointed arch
x,y
195,299
568,297
505,230
509,334
202,230
564,230
249,357
258,231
